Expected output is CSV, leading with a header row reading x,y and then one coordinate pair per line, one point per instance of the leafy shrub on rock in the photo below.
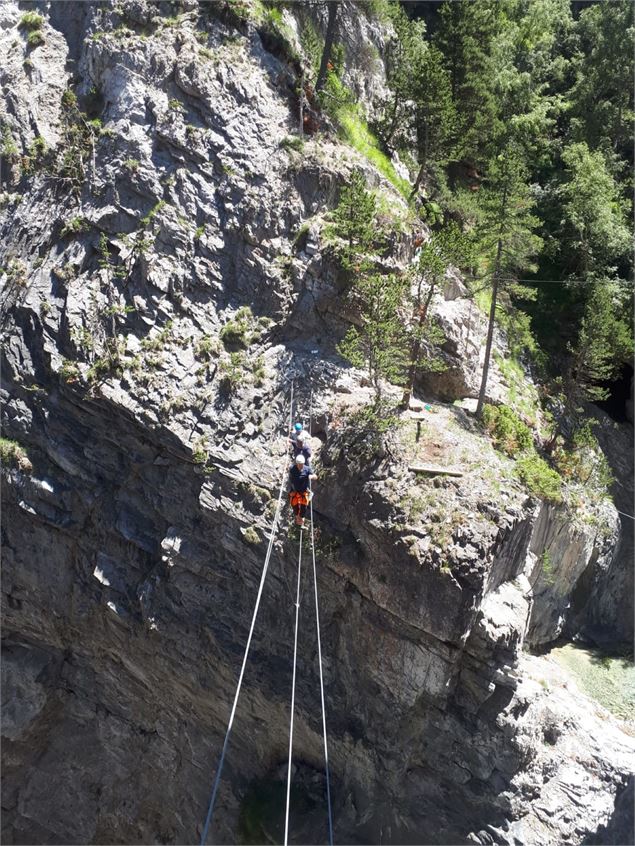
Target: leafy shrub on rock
x,y
508,431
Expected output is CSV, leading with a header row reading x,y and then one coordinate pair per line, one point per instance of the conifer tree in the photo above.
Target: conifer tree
x,y
354,223
594,234
447,246
604,343
506,233
465,37
379,342
434,111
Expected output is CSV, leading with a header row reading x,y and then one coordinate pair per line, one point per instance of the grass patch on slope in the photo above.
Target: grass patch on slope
x,y
353,129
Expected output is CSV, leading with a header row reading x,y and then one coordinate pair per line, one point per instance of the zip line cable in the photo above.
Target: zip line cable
x,y
272,535
295,662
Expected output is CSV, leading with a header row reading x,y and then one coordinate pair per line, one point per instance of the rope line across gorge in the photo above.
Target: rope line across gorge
x,y
219,769
274,525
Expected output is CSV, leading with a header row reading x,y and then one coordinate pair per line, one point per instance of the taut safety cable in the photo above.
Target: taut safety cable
x,y
295,661
319,644
274,526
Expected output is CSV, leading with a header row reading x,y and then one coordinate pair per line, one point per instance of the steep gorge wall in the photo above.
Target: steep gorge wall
x,y
133,546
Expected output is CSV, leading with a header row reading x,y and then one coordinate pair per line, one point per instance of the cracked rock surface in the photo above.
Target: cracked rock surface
x,y
134,533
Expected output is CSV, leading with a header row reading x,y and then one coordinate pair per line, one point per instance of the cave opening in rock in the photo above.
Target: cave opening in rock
x,y
619,403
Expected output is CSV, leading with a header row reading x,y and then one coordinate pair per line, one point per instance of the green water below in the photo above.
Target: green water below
x,y
609,679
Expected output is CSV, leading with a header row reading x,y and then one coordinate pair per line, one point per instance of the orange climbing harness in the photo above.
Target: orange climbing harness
x,y
297,498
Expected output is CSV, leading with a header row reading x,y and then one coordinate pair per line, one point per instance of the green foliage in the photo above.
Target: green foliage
x,y
508,432
12,454
239,332
292,142
379,343
8,147
132,165
604,343
154,211
546,567
199,452
354,224
583,462
232,371
31,22
35,39
75,151
36,157
207,348
199,232
601,99
465,38
434,114
339,103
159,341
69,371
366,429
251,536
539,478
594,233
74,226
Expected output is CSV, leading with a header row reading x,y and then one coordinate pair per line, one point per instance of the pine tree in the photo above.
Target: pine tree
x,y
604,343
594,233
601,101
434,111
506,233
354,223
446,247
403,53
379,342
466,34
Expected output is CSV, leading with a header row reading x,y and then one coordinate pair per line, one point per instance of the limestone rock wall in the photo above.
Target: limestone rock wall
x,y
133,537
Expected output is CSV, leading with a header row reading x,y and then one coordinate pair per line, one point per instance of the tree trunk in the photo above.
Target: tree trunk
x,y
490,332
415,187
328,44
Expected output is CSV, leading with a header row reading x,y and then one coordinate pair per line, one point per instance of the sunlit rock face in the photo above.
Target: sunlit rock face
x,y
134,535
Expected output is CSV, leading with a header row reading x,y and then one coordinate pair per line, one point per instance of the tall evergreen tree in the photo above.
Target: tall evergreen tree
x,y
506,233
604,343
593,234
434,111
601,100
465,37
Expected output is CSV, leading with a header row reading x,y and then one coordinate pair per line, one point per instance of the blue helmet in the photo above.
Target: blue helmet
x,y
298,427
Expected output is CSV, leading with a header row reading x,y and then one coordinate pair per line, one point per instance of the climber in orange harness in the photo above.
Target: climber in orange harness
x,y
299,495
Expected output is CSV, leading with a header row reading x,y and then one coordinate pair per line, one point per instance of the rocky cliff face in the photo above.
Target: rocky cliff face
x,y
137,507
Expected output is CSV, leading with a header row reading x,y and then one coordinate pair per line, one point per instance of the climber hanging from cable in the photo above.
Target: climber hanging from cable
x,y
299,494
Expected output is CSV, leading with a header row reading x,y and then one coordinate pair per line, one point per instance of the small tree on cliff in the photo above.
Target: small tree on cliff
x,y
354,223
379,342
445,247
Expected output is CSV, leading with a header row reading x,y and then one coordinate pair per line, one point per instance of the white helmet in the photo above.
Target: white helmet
x,y
299,459
303,436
